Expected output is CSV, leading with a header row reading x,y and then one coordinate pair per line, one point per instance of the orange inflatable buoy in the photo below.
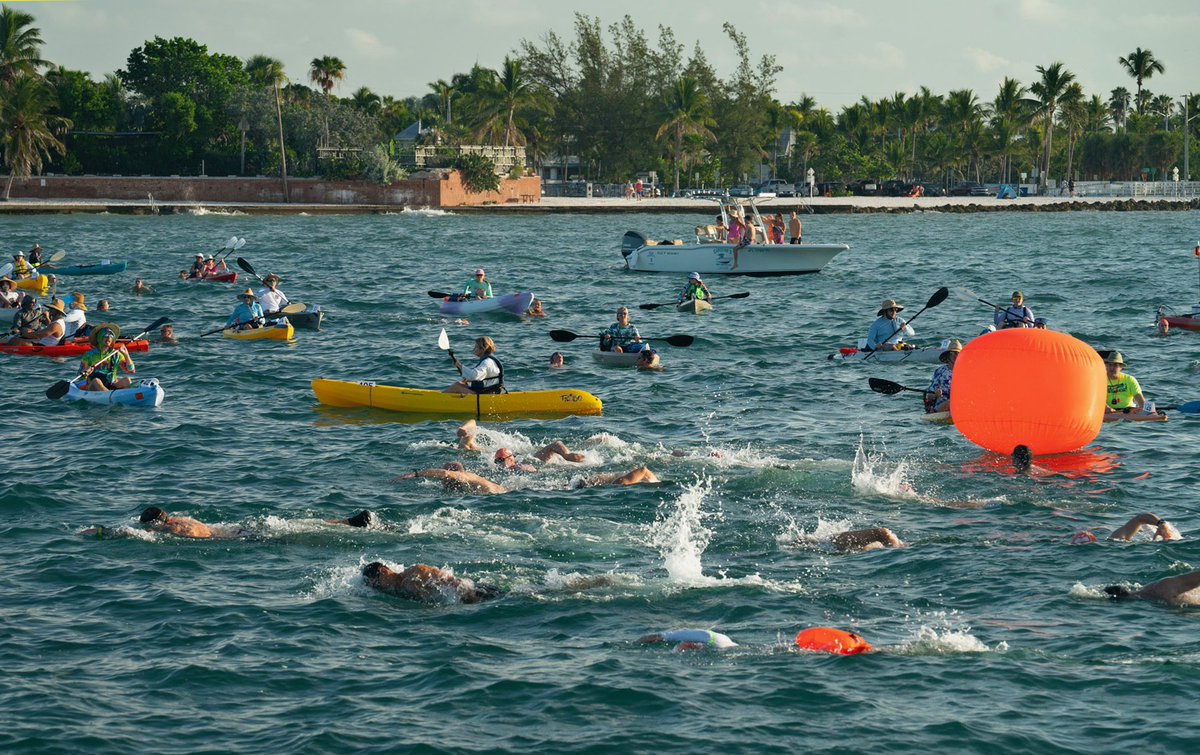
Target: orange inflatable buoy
x,y
1038,388
830,640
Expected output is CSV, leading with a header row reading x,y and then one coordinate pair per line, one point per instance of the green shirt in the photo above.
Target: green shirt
x,y
1121,391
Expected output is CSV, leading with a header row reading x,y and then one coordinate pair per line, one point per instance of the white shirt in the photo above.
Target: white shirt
x,y
72,322
486,369
271,301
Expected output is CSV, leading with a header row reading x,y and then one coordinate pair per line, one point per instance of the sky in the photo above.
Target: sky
x,y
834,51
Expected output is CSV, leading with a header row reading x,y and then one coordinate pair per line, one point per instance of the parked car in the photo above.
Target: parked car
x,y
968,189
896,188
830,189
741,191
781,187
933,189
867,187
765,192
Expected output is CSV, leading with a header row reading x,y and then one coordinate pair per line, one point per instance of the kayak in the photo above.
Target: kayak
x,y
346,394
1187,322
918,355
75,348
694,306
513,303
230,277
615,358
309,319
281,330
103,268
937,418
39,285
144,393
1135,416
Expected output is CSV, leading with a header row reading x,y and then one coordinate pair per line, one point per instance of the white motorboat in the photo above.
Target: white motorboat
x,y
710,254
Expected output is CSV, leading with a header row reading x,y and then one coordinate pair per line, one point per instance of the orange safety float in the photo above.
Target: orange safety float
x,y
1037,388
830,640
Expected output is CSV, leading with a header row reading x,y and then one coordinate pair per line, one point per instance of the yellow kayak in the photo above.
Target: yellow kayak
x,y
280,331
342,393
39,285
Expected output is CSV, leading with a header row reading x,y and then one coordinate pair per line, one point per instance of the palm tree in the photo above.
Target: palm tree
x,y
20,45
326,71
367,101
686,111
1119,100
1073,115
1048,90
265,71
1009,113
510,89
1165,106
1141,65
26,127
445,93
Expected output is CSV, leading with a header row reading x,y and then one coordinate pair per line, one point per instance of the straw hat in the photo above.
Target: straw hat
x,y
954,347
888,304
271,277
12,283
1114,358
111,327
56,305
247,292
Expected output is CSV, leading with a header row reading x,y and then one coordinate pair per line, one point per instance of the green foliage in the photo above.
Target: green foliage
x,y
478,173
379,166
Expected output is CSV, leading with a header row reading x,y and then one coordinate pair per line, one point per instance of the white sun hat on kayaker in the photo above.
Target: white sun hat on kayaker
x,y
693,276
200,255
479,271
889,304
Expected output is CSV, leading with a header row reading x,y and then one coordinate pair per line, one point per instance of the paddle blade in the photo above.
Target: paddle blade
x,y
680,340
886,387
243,264
4,271
231,243
744,294
240,243
938,297
649,306
443,341
57,257
1191,407
438,294
563,336
58,390
293,309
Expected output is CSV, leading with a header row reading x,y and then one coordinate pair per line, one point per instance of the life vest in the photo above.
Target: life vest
x,y
489,385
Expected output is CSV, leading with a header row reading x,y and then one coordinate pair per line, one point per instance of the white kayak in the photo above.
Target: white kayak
x,y
938,418
1134,415
919,355
615,358
694,306
515,304
145,392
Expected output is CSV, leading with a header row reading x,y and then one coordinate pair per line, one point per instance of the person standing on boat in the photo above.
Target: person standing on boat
x,y
694,289
1124,393
938,396
1015,316
476,288
777,229
794,228
271,299
882,334
621,336
100,365
736,228
247,314
487,376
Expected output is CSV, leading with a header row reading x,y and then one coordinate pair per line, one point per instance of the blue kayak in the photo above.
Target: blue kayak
x,y
109,268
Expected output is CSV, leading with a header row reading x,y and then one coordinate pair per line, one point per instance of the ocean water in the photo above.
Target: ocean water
x,y
990,627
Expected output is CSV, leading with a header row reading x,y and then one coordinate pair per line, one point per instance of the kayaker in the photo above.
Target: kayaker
x,y
9,298
882,334
476,288
939,385
690,639
247,314
1015,316
75,323
487,376
100,365
77,300
35,255
1179,590
51,333
21,268
1124,393
139,287
27,318
694,289
621,336
198,267
426,584
270,298
635,476
181,526
455,477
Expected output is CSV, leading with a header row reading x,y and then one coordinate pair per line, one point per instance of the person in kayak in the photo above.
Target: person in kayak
x,y
270,298
51,333
938,392
100,365
35,255
487,376
1015,316
1178,591
28,317
1041,323
881,336
21,268
9,298
75,323
456,478
247,314
198,267
690,639
476,288
1124,393
426,584
694,289
621,336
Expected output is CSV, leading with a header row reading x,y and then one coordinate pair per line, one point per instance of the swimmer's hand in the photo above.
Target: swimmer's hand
x,y
406,476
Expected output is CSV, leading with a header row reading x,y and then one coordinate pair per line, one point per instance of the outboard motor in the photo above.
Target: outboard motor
x,y
630,241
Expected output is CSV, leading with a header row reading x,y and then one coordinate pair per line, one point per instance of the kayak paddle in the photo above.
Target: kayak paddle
x,y
244,264
564,336
1007,317
742,295
4,271
54,259
1191,407
291,309
444,345
63,387
237,244
938,297
888,388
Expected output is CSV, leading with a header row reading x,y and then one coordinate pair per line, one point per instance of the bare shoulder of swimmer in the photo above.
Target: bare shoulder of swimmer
x,y
865,540
1181,590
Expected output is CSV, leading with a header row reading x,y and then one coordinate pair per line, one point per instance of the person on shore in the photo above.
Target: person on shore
x,y
621,336
247,314
636,476
426,584
157,520
1124,393
1016,315
938,392
75,323
270,298
140,287
649,361
1178,591
535,309
101,365
690,639
456,478
9,297
881,336
693,289
51,332
795,229
556,361
487,376
476,288
166,335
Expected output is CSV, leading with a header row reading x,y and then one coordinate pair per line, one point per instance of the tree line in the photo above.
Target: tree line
x,y
612,97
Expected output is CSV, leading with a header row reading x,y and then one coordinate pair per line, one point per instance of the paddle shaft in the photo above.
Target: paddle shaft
x,y
61,388
1007,317
938,297
742,295
566,336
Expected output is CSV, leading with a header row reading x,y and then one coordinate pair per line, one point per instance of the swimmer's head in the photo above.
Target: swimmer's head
x,y
1022,458
454,466
1116,591
373,571
504,457
153,514
364,518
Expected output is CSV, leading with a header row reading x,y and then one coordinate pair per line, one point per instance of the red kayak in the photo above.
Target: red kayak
x,y
1187,322
230,277
71,349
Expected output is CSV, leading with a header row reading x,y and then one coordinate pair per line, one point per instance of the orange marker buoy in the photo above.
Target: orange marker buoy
x,y
830,640
1038,388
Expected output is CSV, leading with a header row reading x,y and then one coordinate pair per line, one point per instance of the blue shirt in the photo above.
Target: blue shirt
x,y
941,381
1014,317
244,313
883,328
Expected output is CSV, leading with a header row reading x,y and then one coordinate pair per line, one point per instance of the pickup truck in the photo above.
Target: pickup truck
x,y
780,187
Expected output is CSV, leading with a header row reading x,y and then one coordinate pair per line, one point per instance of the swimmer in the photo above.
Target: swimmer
x,y
157,520
556,361
1163,530
648,360
466,435
455,477
466,441
632,477
1176,591
1022,459
366,519
167,335
426,584
690,639
505,460
866,540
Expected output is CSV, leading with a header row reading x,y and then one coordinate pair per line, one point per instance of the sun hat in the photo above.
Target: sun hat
x,y
479,271
200,255
111,327
954,347
271,277
9,281
693,276
56,305
211,257
247,292
1017,295
889,304
1114,358
18,254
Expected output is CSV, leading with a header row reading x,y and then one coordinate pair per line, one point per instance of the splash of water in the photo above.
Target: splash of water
x,y
870,475
680,535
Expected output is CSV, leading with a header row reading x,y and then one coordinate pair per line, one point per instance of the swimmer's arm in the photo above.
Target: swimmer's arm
x,y
858,539
433,474
1169,589
1131,528
651,639
1167,531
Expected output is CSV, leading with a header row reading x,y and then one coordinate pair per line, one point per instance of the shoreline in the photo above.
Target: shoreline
x,y
581,205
